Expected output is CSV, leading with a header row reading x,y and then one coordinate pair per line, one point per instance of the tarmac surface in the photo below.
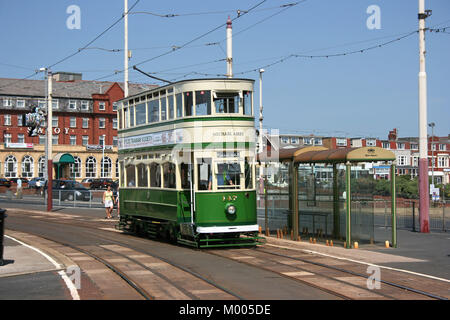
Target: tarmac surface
x,y
28,274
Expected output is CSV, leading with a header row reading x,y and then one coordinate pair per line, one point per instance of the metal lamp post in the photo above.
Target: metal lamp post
x,y
261,148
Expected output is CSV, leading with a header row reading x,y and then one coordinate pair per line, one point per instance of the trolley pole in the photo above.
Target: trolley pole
x,y
423,143
260,138
49,142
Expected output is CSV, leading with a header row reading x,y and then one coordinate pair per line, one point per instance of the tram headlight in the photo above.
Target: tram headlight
x,y
231,209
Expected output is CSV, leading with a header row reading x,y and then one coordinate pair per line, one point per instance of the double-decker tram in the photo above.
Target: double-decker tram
x,y
187,163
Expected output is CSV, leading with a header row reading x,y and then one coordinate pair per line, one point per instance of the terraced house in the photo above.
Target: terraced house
x,y
84,121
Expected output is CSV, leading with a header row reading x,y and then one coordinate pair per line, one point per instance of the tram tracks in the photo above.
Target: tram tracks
x,y
348,280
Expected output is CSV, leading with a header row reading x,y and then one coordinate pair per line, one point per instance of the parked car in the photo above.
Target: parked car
x,y
5,182
87,180
69,190
36,182
102,183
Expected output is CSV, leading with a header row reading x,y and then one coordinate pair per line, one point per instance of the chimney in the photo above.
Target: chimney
x,y
392,135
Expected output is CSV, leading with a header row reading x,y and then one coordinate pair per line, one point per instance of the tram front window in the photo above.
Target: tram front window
x,y
228,175
226,102
204,173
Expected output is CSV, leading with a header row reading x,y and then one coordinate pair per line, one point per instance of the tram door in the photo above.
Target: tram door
x,y
187,196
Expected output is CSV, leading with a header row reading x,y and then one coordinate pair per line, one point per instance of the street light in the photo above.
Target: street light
x,y
260,149
432,124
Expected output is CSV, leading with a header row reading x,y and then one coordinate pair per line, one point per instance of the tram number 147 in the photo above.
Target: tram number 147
x,y
229,198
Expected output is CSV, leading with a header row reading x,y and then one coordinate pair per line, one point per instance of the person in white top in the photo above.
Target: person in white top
x,y
19,188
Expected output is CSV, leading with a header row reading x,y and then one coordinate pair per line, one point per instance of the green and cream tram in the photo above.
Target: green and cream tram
x,y
187,163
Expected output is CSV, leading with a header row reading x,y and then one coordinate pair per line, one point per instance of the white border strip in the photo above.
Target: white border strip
x,y
361,262
247,228
69,284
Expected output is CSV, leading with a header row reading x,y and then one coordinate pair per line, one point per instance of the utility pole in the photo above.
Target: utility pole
x,y
260,138
229,49
126,54
424,201
49,141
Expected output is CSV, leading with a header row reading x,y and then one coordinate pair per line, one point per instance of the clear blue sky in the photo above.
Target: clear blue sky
x,y
364,94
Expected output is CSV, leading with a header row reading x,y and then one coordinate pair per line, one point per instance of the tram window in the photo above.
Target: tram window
x,y
163,108
153,111
247,103
248,174
155,175
169,175
132,116
122,175
228,175
227,102
202,102
179,101
188,104
125,118
204,174
131,176
142,175
140,114
171,110
184,174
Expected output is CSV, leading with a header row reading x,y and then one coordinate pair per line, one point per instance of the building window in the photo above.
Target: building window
x,y
7,102
20,104
115,141
72,105
294,140
101,123
442,162
75,167
415,161
442,147
433,146
27,167
85,123
54,122
101,140
117,168
114,123
41,167
85,140
10,167
401,160
101,105
73,140
106,167
342,142
317,141
371,142
41,139
114,106
284,140
42,104
386,145
400,146
7,138
7,121
414,146
91,167
55,104
73,122
19,120
55,139
21,138
85,105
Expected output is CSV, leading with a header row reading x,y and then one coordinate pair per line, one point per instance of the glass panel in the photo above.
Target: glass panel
x,y
126,116
248,174
247,103
155,175
179,101
131,176
140,114
169,175
122,175
142,175
188,104
203,103
171,107
153,111
228,175
163,109
184,173
227,102
132,116
204,174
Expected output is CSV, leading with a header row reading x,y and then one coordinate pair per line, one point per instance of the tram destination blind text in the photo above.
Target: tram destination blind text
x,y
226,309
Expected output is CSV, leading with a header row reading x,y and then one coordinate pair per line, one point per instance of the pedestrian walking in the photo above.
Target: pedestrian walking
x,y
19,188
108,202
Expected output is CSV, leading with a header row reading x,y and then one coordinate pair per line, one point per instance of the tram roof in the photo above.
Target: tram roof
x,y
316,154
183,81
